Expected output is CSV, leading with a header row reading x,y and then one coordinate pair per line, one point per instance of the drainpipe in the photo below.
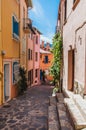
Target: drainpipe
x,y
85,66
2,80
19,35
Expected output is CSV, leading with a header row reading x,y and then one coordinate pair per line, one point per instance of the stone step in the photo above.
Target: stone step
x,y
52,101
68,93
78,119
81,104
60,97
83,129
63,117
53,123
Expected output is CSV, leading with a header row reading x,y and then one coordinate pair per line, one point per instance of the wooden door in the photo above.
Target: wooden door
x,y
70,70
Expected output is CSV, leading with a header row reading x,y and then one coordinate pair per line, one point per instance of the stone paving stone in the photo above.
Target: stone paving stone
x,y
60,97
77,117
53,123
63,117
28,111
52,100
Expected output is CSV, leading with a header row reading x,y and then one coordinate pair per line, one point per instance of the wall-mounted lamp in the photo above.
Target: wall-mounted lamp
x,y
3,52
80,40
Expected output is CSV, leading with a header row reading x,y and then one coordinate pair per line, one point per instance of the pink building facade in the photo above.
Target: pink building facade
x,y
30,59
34,57
36,74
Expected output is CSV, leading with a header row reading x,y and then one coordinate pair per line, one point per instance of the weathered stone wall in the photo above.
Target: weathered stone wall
x,y
75,19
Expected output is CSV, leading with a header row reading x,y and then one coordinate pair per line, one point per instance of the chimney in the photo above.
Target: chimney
x,y
47,46
42,44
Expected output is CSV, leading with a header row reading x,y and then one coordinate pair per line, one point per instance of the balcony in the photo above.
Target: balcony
x,y
27,25
29,3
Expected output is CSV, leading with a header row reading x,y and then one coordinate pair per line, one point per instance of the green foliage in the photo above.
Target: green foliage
x,y
22,83
55,89
57,52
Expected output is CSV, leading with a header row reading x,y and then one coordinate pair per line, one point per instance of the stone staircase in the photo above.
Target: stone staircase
x,y
76,106
70,112
58,118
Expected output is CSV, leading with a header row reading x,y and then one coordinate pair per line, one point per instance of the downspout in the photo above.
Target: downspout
x,y
2,81
19,35
85,67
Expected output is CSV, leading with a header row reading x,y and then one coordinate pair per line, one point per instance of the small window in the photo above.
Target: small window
x,y
65,12
32,76
31,55
74,1
36,56
40,56
36,73
15,28
28,54
46,59
36,39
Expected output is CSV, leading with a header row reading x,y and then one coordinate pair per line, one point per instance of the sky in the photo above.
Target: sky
x,y
44,16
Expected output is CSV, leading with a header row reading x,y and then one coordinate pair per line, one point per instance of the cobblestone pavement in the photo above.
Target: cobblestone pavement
x,y
27,112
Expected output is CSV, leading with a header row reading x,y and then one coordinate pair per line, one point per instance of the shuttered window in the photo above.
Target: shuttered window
x,y
15,28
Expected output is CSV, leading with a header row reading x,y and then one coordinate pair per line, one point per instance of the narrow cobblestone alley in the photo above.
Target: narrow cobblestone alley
x,y
27,112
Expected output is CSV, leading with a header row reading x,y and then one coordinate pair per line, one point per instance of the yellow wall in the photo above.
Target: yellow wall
x,y
22,33
1,91
9,7
10,46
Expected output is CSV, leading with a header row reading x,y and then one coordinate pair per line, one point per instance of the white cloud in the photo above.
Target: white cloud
x,y
39,18
38,10
46,39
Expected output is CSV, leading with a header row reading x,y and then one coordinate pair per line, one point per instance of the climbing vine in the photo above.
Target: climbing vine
x,y
57,61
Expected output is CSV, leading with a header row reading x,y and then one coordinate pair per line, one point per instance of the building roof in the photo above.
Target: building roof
x,y
44,51
37,30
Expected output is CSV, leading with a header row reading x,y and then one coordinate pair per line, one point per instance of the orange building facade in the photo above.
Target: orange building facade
x,y
45,62
11,37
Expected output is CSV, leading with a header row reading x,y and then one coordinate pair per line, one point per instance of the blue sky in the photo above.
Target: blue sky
x,y
44,17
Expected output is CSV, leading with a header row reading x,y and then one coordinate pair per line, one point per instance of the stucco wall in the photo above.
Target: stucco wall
x,y
9,45
75,18
30,46
23,37
36,63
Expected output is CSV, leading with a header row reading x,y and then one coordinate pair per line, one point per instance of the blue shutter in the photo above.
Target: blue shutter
x,y
15,27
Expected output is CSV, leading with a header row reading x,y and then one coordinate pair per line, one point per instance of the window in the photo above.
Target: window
x,y
46,59
65,10
31,36
36,73
40,56
30,77
15,28
28,54
15,77
31,55
36,56
36,39
75,2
